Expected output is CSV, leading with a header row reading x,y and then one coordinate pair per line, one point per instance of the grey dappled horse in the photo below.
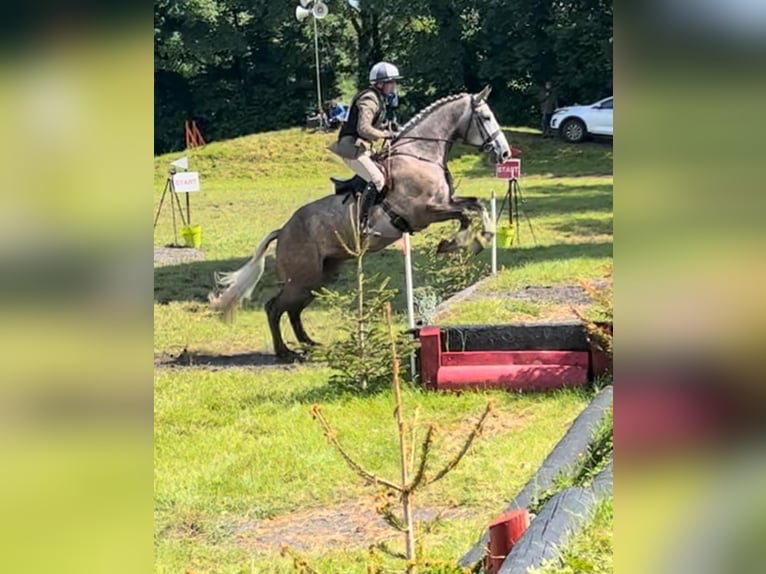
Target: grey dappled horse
x,y
309,247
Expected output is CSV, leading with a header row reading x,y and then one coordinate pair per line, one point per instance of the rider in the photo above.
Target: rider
x,y
365,124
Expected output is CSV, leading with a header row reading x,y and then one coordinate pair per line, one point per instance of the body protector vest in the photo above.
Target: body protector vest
x,y
349,127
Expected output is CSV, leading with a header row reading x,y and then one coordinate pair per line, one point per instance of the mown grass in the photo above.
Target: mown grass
x,y
249,191
236,446
231,448
298,154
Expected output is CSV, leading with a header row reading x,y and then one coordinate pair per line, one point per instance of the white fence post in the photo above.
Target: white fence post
x,y
493,203
410,296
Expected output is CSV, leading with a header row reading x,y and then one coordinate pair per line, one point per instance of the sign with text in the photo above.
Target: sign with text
x,y
186,181
510,169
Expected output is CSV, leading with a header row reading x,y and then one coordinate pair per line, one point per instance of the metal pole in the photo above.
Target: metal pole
x,y
162,198
173,199
319,87
493,203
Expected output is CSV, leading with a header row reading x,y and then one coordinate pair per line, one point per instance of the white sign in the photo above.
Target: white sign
x,y
510,169
186,181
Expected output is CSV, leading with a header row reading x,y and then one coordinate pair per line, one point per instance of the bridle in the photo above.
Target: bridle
x,y
489,138
486,145
399,141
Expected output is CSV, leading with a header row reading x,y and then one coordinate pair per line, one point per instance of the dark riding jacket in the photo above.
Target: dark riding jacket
x,y
366,117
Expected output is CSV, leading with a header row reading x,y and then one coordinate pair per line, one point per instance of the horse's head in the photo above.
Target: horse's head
x,y
484,131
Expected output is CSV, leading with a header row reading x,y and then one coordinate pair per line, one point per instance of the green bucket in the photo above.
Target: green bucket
x,y
192,236
504,236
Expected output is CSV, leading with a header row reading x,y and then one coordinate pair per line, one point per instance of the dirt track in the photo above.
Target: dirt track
x,y
174,255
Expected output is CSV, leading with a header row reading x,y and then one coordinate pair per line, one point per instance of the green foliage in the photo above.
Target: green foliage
x,y
235,446
413,474
600,452
426,299
239,68
442,275
599,323
361,358
446,273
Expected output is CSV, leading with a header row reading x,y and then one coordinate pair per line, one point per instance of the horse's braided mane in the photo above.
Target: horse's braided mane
x,y
422,114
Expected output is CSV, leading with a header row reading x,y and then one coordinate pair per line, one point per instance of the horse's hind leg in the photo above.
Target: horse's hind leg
x,y
294,313
291,301
330,270
274,310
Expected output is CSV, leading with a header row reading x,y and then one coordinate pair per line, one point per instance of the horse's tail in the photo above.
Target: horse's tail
x,y
238,285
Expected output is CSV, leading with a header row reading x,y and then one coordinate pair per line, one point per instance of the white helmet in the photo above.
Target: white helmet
x,y
384,72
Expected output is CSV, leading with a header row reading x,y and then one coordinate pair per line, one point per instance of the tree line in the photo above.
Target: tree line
x,y
243,66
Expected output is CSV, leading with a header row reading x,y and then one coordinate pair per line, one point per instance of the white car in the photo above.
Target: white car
x,y
574,123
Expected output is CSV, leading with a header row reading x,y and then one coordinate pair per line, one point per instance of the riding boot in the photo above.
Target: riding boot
x,y
369,195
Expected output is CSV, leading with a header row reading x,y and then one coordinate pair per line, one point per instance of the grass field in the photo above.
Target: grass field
x,y
239,464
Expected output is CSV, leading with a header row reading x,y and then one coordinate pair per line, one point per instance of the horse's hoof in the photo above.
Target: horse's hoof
x,y
446,246
288,356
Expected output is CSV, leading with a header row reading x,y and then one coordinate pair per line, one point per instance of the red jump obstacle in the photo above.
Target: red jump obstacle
x,y
535,356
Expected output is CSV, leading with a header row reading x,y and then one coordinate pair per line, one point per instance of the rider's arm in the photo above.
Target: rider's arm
x,y
368,107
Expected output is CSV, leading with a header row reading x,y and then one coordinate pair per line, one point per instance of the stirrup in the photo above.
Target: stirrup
x,y
367,231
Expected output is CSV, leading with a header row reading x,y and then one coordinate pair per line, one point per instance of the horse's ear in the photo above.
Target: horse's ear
x,y
484,94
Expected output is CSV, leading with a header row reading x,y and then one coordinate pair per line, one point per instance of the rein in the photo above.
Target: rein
x,y
392,153
390,150
485,145
397,142
416,138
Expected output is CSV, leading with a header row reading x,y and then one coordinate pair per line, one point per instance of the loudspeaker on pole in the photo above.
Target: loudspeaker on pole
x,y
301,13
319,10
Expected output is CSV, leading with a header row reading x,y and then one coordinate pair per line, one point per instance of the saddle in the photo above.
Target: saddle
x,y
351,186
354,185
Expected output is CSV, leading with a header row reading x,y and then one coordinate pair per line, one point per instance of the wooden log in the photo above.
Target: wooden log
x,y
558,336
565,513
563,516
562,459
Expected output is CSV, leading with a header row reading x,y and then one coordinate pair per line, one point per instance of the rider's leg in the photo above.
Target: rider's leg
x,y
366,168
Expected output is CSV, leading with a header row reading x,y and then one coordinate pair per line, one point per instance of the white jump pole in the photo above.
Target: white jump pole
x,y
410,297
493,203
408,281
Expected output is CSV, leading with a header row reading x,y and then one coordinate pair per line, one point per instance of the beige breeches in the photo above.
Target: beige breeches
x,y
365,168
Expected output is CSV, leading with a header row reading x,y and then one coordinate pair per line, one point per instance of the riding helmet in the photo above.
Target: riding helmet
x,y
384,72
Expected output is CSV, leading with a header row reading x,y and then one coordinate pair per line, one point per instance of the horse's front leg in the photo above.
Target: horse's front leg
x,y
462,238
473,204
487,225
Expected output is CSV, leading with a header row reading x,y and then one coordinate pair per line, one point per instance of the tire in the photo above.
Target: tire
x,y
573,130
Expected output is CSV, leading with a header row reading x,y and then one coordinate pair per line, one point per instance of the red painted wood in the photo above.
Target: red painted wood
x,y
504,532
600,361
481,358
513,370
517,377
430,351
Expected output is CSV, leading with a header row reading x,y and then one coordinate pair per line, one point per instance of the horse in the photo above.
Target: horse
x,y
312,244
